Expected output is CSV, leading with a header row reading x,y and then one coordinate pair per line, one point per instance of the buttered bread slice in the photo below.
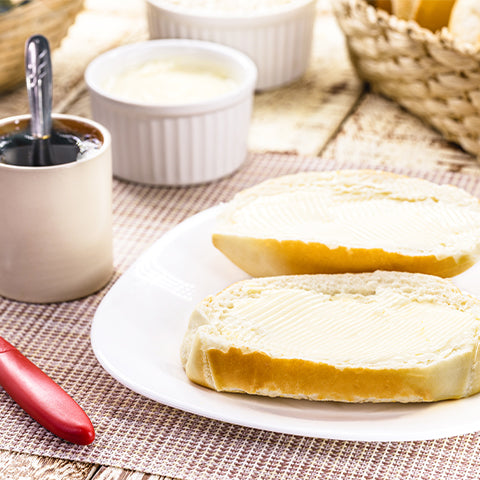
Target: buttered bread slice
x,y
370,337
350,221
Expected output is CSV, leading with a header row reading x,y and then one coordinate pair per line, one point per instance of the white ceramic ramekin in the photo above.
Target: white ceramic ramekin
x,y
278,40
182,144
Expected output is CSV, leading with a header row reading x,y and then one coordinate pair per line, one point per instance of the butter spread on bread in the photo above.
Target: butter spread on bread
x,y
350,221
369,337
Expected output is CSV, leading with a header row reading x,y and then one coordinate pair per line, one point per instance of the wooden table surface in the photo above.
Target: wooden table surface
x,y
327,113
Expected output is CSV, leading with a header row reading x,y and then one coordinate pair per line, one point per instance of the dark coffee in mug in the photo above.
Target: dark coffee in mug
x,y
65,144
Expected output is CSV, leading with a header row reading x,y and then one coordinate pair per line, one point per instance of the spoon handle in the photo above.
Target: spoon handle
x,y
38,73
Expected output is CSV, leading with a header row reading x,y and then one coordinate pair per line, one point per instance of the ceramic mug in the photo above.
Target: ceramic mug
x,y
56,221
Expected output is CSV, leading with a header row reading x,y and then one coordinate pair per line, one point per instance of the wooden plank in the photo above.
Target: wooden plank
x,y
16,466
103,25
112,473
302,117
22,466
382,134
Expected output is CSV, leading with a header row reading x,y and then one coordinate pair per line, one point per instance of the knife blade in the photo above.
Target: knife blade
x,y
43,399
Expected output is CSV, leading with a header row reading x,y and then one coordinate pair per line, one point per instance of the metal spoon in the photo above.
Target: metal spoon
x,y
38,73
41,146
50,147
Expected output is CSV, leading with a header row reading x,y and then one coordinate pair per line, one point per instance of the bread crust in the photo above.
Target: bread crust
x,y
464,21
403,8
384,5
267,257
433,14
257,373
214,363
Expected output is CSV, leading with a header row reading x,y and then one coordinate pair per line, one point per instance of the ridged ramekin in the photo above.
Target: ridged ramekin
x,y
182,144
278,40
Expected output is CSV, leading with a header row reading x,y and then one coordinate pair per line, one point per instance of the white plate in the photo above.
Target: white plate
x,y
139,325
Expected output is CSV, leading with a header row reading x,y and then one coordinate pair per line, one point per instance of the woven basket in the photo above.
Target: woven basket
x,y
432,75
51,18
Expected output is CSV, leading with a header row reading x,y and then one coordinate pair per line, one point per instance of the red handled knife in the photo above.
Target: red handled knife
x,y
42,398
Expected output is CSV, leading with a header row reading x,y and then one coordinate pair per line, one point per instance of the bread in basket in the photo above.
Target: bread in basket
x,y
436,76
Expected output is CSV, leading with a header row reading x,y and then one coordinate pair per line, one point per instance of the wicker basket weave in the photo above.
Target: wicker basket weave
x,y
51,18
432,75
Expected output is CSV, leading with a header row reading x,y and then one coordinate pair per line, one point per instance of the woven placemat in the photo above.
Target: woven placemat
x,y
136,433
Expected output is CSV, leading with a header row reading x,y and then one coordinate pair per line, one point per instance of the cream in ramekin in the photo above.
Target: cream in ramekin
x,y
276,34
167,131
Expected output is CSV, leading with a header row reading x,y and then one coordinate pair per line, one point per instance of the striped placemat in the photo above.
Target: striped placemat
x,y
136,433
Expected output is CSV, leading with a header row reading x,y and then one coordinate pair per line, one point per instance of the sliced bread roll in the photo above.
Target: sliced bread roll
x,y
384,5
371,337
404,9
465,21
431,14
350,221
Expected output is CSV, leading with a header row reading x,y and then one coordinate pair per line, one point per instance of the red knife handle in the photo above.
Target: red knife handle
x,y
42,398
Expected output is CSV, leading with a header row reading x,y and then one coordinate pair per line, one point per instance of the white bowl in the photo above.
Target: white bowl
x,y
278,40
174,144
